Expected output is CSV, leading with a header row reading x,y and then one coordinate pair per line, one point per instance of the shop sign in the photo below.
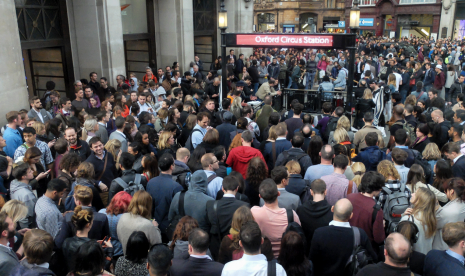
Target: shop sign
x,y
366,22
341,24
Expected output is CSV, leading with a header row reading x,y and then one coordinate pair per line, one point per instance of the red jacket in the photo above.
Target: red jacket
x,y
146,78
239,158
439,81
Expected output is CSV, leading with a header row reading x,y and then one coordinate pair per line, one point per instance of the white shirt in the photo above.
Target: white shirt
x,y
201,257
340,224
228,195
457,158
398,80
256,265
38,114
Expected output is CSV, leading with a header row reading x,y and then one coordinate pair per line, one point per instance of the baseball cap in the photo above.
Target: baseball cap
x,y
439,66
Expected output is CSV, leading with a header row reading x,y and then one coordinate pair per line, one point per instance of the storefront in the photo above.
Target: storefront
x,y
415,25
367,26
266,22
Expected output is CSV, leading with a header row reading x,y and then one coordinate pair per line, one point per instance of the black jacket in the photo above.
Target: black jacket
x,y
222,170
110,172
332,246
211,90
314,215
195,267
99,229
273,71
224,130
127,176
440,133
239,66
420,147
225,211
70,248
457,88
458,169
179,174
82,149
363,106
253,72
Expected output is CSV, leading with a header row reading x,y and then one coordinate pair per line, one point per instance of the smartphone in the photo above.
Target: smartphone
x,y
48,171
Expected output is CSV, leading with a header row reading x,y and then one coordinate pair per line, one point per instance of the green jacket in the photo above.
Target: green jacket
x,y
296,74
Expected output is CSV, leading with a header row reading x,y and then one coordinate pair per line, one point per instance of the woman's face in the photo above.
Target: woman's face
x,y
112,99
412,199
123,99
244,70
145,139
171,140
420,104
42,132
108,107
96,128
419,134
177,114
149,98
93,102
34,160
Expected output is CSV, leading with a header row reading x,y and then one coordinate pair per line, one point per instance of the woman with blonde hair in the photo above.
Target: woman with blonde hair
x,y
16,210
189,98
236,107
230,249
432,154
139,218
392,178
89,129
162,119
342,123
272,136
392,83
358,168
296,183
411,99
165,144
113,146
423,214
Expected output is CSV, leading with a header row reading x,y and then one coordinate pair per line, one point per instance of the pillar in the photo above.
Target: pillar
x,y
447,17
241,20
15,97
96,35
174,31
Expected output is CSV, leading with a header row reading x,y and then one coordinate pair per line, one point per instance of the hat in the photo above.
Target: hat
x,y
381,55
241,83
227,116
439,66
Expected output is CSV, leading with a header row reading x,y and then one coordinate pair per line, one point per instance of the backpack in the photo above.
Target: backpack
x,y
294,226
395,205
305,195
189,144
288,157
69,202
423,163
428,113
132,187
359,257
181,213
412,135
331,126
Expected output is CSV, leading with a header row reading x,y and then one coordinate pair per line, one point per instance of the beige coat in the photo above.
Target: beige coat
x,y
453,211
264,90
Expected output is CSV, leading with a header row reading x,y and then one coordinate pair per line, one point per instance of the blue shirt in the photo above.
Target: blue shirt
x,y
317,171
197,137
455,255
215,185
13,141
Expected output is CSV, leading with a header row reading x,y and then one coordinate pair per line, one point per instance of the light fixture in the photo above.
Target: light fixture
x,y
304,26
222,17
425,32
354,22
247,3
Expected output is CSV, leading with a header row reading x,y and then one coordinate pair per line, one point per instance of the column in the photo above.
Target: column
x,y
96,35
241,20
447,18
12,72
174,31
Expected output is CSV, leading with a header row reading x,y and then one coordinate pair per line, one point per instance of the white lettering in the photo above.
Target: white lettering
x,y
296,40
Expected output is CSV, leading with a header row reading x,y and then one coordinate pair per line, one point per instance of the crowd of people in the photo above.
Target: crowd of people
x,y
169,175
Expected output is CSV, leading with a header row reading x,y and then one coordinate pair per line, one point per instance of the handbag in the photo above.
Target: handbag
x,y
411,82
104,195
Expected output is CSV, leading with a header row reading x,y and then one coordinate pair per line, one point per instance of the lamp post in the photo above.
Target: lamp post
x,y
354,23
223,25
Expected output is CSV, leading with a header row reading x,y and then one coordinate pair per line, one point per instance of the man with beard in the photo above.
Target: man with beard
x,y
8,258
37,111
78,146
104,89
89,93
93,83
48,216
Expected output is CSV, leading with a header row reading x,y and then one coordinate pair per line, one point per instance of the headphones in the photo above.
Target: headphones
x,y
415,227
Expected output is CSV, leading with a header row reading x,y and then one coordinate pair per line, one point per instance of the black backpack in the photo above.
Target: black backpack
x,y
288,157
294,226
189,144
331,126
423,163
170,229
359,257
306,195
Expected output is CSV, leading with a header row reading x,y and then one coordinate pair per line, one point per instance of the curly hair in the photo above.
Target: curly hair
x,y
387,169
256,172
86,171
184,227
236,142
69,161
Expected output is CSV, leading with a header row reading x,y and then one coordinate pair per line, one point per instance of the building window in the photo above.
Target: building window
x,y
367,2
416,1
331,4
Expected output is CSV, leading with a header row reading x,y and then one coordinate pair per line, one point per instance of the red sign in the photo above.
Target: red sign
x,y
284,40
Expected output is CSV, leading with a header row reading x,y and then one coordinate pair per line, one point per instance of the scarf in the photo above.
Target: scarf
x,y
75,147
419,140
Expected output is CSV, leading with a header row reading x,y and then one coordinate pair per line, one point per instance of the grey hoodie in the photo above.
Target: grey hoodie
x,y
23,192
181,248
195,201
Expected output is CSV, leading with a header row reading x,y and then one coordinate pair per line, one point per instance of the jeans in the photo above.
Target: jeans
x,y
403,93
294,85
290,83
310,79
255,88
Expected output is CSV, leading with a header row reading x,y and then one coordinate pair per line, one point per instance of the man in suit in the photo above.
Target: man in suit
x,y
451,261
226,128
196,261
37,111
199,63
102,132
119,135
232,55
454,154
330,248
239,65
221,218
197,74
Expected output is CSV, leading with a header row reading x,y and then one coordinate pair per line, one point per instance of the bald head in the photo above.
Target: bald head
x,y
342,210
437,113
398,110
397,250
